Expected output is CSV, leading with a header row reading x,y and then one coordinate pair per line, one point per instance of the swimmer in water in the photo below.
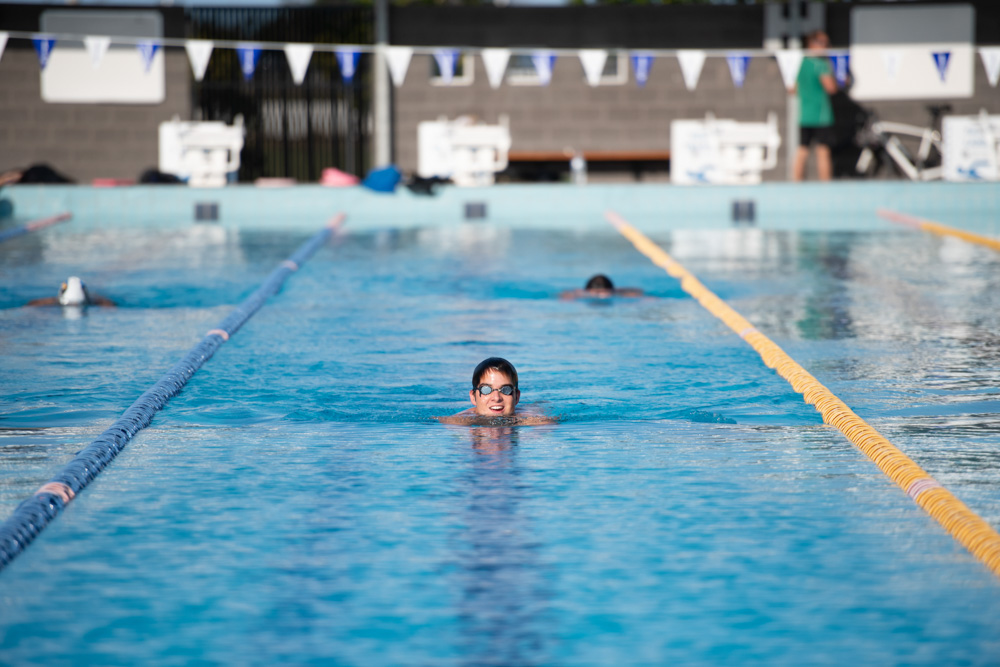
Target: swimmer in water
x,y
495,396
600,287
73,292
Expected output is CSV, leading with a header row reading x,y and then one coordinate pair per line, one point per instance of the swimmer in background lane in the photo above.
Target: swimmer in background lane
x,y
600,287
73,293
495,396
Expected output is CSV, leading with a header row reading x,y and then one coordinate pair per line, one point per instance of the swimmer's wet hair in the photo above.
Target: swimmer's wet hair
x,y
496,364
600,281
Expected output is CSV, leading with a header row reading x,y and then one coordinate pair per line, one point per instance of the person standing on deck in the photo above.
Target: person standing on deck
x,y
814,85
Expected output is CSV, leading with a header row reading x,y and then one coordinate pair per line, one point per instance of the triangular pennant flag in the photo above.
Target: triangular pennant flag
x,y
148,51
3,42
348,61
841,67
991,63
890,60
298,57
248,55
641,62
96,47
397,58
593,61
199,51
446,59
941,59
738,63
789,62
543,62
495,61
691,64
43,47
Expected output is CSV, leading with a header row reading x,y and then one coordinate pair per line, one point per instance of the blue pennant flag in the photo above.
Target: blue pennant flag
x,y
148,51
941,59
841,67
348,60
738,63
248,55
446,59
641,62
543,62
43,46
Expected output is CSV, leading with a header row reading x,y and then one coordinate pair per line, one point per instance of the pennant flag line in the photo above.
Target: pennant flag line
x,y
248,55
890,60
397,58
941,59
96,47
789,63
148,51
495,61
3,42
348,61
738,63
543,62
841,67
989,54
691,63
446,59
593,61
43,47
199,51
641,63
298,57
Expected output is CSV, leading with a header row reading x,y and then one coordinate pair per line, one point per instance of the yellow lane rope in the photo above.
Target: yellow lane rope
x,y
936,228
965,525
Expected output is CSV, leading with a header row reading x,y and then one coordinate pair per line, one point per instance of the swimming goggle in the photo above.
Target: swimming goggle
x,y
486,390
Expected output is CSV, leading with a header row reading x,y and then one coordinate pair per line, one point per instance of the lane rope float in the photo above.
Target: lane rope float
x,y
936,228
36,512
965,526
32,226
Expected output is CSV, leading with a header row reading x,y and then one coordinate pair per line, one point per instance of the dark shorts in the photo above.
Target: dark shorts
x,y
820,135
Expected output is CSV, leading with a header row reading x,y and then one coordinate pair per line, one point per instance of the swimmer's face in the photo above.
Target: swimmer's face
x,y
494,404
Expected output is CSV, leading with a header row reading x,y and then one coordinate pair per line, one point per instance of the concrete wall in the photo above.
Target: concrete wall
x,y
83,141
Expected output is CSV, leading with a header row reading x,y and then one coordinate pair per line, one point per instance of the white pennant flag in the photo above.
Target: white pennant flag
x,y
397,58
495,61
989,54
891,59
298,57
789,62
96,47
691,63
593,61
3,42
199,51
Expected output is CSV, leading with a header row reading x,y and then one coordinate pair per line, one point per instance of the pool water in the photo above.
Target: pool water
x,y
298,503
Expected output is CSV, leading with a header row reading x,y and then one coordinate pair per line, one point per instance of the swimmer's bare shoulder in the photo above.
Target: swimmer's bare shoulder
x,y
524,418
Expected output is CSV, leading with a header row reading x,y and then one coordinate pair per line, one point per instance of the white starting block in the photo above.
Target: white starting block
x,y
722,151
201,153
468,153
971,147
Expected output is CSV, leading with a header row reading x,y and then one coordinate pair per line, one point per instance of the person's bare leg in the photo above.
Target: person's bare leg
x,y
824,164
799,168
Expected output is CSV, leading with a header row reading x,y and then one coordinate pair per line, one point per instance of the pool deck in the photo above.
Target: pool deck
x,y
840,205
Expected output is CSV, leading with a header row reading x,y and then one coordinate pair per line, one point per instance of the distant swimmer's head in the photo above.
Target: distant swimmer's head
x,y
600,282
73,292
494,388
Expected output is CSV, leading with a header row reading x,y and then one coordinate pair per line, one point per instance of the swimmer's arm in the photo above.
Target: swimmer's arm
x,y
48,301
102,301
458,418
629,291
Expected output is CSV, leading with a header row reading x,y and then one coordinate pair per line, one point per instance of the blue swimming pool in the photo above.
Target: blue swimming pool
x,y
297,502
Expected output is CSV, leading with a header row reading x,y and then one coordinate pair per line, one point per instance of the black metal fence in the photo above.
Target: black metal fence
x,y
292,131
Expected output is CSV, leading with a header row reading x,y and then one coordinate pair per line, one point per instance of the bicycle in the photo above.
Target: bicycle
x,y
883,142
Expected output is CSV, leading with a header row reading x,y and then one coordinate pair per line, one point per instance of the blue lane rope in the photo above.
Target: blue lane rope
x,y
9,234
36,512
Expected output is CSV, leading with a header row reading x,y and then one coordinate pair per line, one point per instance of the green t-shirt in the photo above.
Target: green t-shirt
x,y
815,109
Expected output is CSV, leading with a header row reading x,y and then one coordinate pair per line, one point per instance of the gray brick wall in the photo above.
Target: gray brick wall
x,y
83,141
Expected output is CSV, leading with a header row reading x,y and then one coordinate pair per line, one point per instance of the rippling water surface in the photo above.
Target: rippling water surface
x,y
297,502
